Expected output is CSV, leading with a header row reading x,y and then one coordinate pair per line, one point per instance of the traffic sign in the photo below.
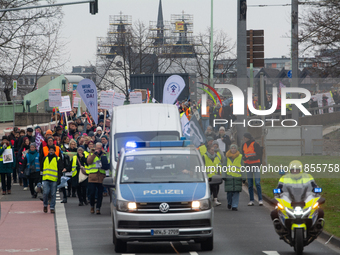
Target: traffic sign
x,y
15,88
289,74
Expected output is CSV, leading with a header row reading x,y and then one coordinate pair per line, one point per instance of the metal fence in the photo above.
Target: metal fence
x,y
9,108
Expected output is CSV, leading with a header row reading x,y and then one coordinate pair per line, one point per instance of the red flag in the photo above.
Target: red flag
x,y
148,97
88,118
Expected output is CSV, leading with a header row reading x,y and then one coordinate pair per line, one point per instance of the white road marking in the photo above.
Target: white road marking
x,y
271,252
23,250
184,242
193,253
19,212
64,238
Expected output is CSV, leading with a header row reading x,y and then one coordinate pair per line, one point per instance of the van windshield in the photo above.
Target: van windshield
x,y
121,139
163,168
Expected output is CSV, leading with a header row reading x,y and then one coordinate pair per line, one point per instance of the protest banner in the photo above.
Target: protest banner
x,y
136,97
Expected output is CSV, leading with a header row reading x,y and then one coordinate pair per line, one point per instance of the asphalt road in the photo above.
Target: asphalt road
x,y
247,231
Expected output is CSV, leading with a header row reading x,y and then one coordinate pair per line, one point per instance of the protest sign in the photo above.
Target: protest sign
x,y
106,100
66,104
118,99
136,97
54,97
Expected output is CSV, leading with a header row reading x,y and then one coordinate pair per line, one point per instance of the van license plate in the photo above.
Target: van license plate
x,y
164,232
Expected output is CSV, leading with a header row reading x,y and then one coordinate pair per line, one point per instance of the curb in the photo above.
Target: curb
x,y
328,237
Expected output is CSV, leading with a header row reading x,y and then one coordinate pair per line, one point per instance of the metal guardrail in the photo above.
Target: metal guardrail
x,y
9,108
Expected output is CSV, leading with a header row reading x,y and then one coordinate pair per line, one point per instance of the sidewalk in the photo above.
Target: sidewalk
x,y
24,226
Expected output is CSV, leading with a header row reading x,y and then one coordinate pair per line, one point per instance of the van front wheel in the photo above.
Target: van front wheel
x,y
208,245
120,246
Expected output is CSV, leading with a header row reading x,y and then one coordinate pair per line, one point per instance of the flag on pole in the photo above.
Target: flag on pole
x,y
148,97
281,85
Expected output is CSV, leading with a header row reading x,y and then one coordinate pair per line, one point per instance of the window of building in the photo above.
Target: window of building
x,y
32,81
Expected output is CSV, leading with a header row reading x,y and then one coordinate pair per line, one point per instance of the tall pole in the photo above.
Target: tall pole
x,y
242,63
295,53
212,45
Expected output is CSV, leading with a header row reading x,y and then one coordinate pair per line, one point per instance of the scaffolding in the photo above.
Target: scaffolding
x,y
174,39
118,36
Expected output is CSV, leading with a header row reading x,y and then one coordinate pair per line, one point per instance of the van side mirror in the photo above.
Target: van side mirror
x,y
108,182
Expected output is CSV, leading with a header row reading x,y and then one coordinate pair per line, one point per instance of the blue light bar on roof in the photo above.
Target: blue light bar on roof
x,y
154,144
131,144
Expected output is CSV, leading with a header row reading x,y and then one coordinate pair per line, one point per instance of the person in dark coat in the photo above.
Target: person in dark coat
x,y
29,135
7,168
79,161
20,158
31,161
233,176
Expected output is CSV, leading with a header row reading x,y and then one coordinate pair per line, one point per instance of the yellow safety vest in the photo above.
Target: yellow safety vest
x,y
1,156
74,166
203,149
93,168
50,169
211,167
288,180
234,167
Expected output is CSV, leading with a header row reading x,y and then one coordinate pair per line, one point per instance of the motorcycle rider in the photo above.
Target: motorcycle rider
x,y
296,177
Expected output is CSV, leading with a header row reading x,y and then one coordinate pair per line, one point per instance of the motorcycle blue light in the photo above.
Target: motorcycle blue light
x,y
277,191
317,190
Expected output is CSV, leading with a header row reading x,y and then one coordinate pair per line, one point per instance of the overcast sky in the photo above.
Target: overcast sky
x,y
81,28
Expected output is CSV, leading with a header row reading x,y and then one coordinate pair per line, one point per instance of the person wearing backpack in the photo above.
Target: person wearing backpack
x,y
31,167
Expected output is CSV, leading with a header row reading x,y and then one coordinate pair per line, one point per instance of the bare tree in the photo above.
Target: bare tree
x,y
29,42
320,35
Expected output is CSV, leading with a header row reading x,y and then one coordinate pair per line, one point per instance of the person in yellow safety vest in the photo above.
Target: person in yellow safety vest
x,y
212,166
52,168
296,179
78,163
218,152
252,154
203,147
96,162
6,169
233,176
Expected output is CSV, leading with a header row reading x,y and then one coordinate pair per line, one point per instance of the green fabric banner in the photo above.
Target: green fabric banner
x,y
41,94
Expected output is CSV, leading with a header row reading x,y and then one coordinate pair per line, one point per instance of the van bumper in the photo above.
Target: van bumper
x,y
138,227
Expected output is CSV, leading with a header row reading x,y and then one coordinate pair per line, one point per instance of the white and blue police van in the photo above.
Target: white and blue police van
x,y
157,194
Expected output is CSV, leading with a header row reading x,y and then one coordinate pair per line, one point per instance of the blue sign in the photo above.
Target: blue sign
x,y
289,74
74,86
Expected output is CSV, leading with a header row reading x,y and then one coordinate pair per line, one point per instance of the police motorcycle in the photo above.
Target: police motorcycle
x,y
300,220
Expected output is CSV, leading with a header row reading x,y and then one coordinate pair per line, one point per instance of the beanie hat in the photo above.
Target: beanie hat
x,y
247,135
49,132
209,138
99,129
33,144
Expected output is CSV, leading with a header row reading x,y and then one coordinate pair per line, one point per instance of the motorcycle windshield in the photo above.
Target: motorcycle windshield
x,y
298,192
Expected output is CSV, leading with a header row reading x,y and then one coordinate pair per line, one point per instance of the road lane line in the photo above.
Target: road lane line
x,y
271,252
63,232
184,242
193,253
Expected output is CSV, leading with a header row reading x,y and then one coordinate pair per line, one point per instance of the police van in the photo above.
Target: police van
x,y
157,195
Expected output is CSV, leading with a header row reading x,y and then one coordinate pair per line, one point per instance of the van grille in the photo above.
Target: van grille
x,y
164,224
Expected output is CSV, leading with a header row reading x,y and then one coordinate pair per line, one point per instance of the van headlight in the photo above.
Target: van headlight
x,y
125,206
202,205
